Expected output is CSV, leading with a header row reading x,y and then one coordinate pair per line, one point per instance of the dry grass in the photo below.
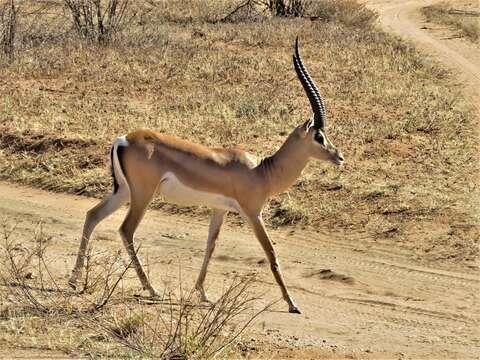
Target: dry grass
x,y
350,13
106,320
464,17
404,130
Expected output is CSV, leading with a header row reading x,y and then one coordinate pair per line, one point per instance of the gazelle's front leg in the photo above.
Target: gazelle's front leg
x,y
258,226
213,231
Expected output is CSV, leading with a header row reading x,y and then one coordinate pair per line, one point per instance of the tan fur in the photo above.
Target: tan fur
x,y
231,176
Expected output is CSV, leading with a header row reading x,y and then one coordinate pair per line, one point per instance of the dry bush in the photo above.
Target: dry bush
x,y
103,313
181,327
26,24
97,20
347,12
27,275
53,23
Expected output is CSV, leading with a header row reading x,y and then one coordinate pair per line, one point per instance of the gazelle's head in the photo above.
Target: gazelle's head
x,y
312,133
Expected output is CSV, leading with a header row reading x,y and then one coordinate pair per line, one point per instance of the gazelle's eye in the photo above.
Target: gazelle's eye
x,y
319,138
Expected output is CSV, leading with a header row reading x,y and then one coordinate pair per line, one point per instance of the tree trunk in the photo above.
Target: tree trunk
x,y
287,7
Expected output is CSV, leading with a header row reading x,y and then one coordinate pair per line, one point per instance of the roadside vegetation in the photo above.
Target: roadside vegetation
x,y
462,16
105,319
220,73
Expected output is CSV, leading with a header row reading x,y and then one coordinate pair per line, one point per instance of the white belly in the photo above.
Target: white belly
x,y
176,192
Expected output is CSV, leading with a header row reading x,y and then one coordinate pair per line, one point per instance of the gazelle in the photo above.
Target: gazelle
x,y
145,162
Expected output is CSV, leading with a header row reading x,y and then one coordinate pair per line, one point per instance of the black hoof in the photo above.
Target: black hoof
x,y
295,310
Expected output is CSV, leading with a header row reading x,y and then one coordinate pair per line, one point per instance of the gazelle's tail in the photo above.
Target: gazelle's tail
x,y
118,174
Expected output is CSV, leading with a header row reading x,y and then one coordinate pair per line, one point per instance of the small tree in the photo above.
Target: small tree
x,y
8,22
97,20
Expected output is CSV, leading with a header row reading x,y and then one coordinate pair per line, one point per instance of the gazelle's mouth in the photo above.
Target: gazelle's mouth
x,y
337,159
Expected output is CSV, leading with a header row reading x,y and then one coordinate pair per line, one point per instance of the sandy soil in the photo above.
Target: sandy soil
x,y
359,298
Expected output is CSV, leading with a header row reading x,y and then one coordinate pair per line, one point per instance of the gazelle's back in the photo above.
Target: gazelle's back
x,y
153,154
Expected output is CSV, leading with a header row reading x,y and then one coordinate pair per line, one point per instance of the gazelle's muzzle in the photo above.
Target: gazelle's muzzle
x,y
338,158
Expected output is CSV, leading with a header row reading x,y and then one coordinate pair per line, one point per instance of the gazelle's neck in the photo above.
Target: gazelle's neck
x,y
283,168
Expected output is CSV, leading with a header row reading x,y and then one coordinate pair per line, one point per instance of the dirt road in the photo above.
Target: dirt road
x,y
458,55
358,297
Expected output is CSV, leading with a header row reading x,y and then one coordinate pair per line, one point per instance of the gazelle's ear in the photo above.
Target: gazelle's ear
x,y
307,126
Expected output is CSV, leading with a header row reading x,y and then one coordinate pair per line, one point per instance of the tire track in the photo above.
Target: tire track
x,y
358,261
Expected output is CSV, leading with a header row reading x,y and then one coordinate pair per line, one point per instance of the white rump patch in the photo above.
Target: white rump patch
x,y
120,176
121,141
173,190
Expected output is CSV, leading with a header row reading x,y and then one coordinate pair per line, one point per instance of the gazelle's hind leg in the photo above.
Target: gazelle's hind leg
x,y
139,199
213,231
94,216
